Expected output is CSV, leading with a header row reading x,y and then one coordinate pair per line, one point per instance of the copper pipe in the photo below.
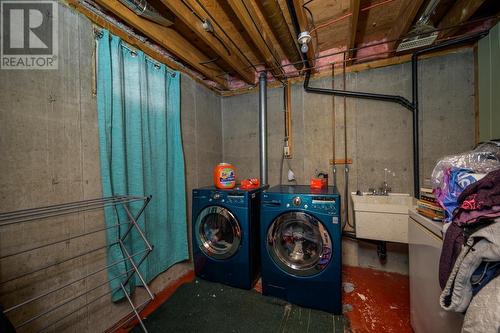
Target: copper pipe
x,y
335,20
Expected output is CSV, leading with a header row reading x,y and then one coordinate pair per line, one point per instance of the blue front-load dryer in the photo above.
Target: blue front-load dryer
x,y
301,248
225,231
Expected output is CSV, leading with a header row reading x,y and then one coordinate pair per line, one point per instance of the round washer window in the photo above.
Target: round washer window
x,y
299,244
219,233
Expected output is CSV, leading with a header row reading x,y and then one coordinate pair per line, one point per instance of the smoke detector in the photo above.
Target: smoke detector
x,y
303,39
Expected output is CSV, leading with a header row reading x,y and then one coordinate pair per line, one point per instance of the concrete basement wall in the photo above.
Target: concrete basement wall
x,y
378,133
50,154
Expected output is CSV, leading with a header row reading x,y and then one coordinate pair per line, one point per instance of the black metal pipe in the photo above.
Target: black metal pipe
x,y
296,27
412,106
382,252
415,127
356,94
414,83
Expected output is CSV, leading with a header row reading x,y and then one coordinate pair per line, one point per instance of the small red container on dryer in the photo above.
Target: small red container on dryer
x,y
251,183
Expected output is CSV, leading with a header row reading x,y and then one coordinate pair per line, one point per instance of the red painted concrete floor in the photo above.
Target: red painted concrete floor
x,y
380,301
374,301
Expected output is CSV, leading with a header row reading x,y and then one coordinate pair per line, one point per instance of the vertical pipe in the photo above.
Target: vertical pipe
x,y
334,157
416,153
263,127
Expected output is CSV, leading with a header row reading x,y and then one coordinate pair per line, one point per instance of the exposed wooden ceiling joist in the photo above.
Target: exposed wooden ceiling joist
x,y
303,23
256,26
166,38
248,34
461,11
138,43
288,19
353,27
219,43
403,24
220,14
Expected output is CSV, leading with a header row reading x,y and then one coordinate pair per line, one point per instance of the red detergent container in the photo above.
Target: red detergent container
x,y
224,176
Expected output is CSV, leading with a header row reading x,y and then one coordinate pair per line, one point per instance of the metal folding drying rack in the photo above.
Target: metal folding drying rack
x,y
42,213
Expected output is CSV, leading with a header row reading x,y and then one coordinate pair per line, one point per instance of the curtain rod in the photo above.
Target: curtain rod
x,y
98,35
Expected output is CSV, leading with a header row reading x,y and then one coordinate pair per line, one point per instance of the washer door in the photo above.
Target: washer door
x,y
218,232
299,244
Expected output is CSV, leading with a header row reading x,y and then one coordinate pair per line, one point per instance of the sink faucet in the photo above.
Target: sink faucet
x,y
385,189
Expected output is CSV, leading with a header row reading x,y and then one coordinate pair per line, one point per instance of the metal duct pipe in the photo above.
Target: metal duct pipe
x,y
274,16
426,15
144,9
263,127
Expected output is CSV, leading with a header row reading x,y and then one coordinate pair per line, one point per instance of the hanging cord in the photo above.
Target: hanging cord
x,y
282,164
286,138
346,165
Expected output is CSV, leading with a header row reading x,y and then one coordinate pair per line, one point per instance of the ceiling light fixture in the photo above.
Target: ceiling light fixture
x,y
207,26
303,39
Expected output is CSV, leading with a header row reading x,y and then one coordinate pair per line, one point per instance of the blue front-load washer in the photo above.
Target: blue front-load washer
x,y
301,248
225,230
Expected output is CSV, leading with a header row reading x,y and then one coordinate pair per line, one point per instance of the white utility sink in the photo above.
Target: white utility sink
x,y
382,217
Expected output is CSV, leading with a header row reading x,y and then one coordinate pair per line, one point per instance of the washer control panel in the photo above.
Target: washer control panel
x,y
313,203
326,204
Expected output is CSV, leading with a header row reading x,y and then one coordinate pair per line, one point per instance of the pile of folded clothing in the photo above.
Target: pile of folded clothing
x,y
428,206
453,174
455,180
470,258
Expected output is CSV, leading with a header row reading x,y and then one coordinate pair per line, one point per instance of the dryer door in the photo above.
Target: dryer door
x,y
218,232
299,244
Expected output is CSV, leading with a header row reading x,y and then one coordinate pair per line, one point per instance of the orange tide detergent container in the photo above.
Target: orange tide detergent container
x,y
224,176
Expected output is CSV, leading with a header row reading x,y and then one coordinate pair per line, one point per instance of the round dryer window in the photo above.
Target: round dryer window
x,y
299,244
219,233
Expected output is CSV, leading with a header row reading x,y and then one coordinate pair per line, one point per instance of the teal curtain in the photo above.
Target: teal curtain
x,y
138,105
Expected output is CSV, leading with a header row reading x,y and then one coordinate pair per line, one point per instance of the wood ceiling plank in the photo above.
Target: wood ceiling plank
x,y
303,23
221,14
166,38
259,30
404,21
353,27
219,43
286,14
288,19
461,11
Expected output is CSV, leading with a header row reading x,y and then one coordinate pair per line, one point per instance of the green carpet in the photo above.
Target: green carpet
x,y
202,306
